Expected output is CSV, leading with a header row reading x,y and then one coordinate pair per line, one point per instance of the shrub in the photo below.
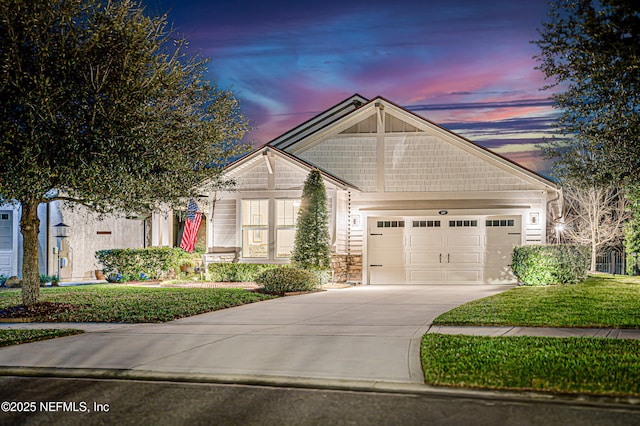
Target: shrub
x,y
153,262
237,272
312,247
538,265
282,280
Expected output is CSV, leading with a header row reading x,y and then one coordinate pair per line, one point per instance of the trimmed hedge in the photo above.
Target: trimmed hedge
x,y
282,280
150,262
237,272
539,265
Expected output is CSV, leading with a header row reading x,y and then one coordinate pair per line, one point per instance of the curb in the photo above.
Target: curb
x,y
627,403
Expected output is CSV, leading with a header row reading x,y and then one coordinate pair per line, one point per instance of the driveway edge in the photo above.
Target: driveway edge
x,y
325,384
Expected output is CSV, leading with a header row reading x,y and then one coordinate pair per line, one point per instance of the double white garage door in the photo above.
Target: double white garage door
x,y
431,250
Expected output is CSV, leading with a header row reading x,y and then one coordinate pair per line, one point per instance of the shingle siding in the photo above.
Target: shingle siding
x,y
350,158
255,178
288,177
429,164
224,223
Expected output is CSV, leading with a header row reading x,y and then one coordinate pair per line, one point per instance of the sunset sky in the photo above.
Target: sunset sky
x,y
465,64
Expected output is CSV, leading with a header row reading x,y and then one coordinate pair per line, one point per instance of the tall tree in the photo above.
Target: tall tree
x,y
632,231
595,216
591,50
101,105
312,247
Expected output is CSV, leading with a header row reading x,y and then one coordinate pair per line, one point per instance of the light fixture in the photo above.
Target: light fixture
x,y
61,230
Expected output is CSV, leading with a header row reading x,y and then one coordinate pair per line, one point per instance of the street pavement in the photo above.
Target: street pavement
x,y
82,402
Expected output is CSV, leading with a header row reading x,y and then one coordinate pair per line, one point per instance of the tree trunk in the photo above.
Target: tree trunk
x,y
594,258
30,226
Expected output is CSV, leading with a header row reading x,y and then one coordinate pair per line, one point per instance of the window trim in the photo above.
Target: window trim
x,y
278,227
250,227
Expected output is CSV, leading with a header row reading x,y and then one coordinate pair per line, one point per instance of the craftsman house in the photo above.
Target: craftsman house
x,y
410,202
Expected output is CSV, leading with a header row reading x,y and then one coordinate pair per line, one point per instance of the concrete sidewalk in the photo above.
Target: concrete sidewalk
x,y
612,333
494,331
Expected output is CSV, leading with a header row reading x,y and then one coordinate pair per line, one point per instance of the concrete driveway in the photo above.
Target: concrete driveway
x,y
367,333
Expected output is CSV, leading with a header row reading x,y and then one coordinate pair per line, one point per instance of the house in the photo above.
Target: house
x,y
73,256
410,202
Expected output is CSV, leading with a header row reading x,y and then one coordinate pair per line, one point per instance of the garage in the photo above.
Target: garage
x,y
432,250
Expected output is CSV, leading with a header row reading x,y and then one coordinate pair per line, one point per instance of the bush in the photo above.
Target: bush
x,y
538,265
153,262
282,280
237,272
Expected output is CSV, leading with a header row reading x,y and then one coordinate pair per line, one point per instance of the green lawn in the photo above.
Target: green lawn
x,y
110,303
15,337
559,365
601,301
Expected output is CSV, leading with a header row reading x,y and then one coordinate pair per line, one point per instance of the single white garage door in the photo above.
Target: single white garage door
x,y
431,250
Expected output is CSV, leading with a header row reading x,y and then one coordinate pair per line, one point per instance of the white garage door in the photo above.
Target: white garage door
x,y
427,250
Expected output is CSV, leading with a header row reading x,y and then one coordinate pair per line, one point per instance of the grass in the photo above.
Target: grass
x,y
596,366
560,365
109,303
601,301
15,337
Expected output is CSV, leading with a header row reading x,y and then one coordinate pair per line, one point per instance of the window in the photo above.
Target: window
x,y
390,224
286,218
255,228
6,231
462,223
426,224
500,223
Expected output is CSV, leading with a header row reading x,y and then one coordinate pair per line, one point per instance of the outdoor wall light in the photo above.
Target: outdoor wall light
x,y
61,230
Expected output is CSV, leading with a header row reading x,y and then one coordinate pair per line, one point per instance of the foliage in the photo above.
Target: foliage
x,y
632,231
108,303
591,49
312,248
3,279
53,279
101,105
550,264
154,262
283,280
594,216
601,301
548,364
237,272
16,337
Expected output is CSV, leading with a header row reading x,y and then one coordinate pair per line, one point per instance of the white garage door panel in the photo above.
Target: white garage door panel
x,y
464,276
388,256
426,240
419,259
387,274
427,276
464,240
431,250
468,258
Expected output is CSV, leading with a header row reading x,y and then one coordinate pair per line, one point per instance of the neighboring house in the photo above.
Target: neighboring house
x,y
410,202
75,253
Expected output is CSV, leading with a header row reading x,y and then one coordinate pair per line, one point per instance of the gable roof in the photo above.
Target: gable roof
x,y
358,105
319,122
256,154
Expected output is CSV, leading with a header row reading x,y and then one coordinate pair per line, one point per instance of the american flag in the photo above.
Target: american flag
x,y
191,226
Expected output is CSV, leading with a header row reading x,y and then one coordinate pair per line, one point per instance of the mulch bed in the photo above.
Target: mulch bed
x,y
39,310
